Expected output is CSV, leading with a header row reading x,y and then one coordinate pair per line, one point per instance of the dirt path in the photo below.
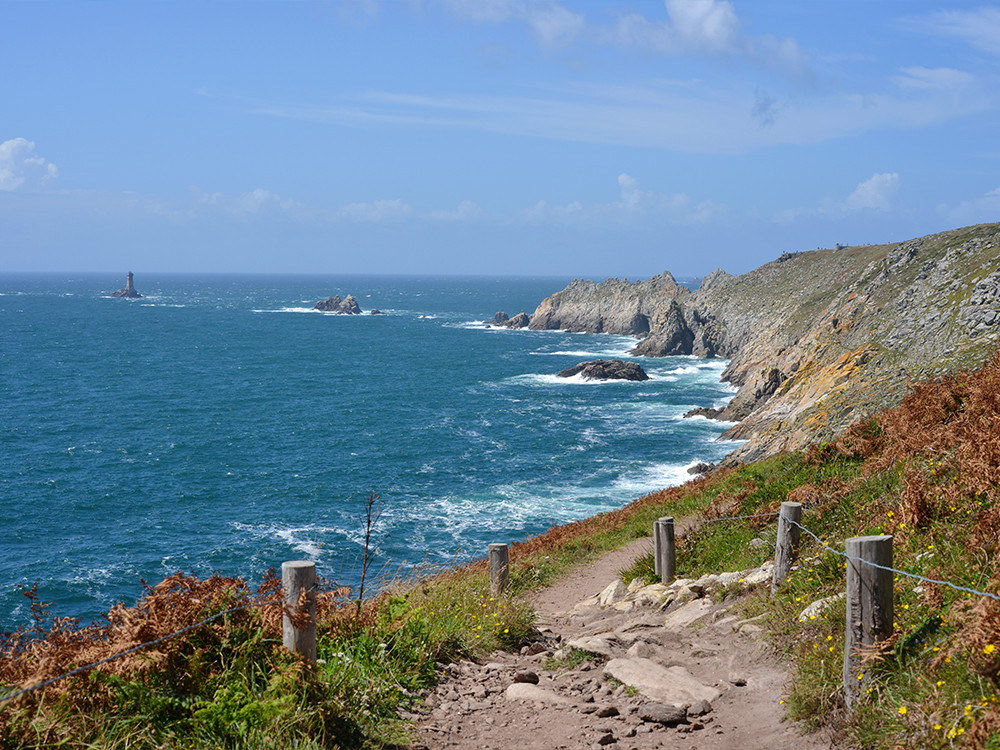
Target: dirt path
x,y
690,675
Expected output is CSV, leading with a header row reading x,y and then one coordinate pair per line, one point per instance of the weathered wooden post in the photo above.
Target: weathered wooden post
x,y
499,570
298,576
869,606
787,544
663,549
656,547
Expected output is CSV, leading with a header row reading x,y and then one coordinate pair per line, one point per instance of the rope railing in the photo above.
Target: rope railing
x,y
916,576
869,582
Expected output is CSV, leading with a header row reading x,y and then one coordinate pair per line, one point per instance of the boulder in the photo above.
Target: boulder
x,y
703,411
615,592
606,369
499,319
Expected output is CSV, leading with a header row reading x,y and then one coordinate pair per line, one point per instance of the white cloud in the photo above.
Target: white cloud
x,y
920,78
706,27
634,204
376,211
550,23
985,208
20,167
254,201
690,117
875,193
466,211
709,25
980,28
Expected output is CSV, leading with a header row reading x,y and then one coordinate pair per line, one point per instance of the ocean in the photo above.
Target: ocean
x,y
219,424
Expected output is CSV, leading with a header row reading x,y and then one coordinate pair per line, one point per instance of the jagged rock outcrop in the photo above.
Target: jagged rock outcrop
x,y
818,339
129,291
613,306
521,320
346,306
606,369
501,320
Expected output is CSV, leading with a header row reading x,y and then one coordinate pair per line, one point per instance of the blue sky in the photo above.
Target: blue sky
x,y
488,136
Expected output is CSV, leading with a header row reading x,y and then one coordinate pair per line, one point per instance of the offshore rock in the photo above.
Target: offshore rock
x,y
521,320
347,306
502,320
606,369
129,290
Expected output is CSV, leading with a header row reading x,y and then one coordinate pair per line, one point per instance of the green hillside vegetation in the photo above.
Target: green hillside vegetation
x,y
927,472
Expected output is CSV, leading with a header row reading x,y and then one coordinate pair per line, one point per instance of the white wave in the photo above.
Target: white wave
x,y
685,370
308,538
313,311
549,380
657,477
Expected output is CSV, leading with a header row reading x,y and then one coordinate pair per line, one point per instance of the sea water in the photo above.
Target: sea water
x,y
219,424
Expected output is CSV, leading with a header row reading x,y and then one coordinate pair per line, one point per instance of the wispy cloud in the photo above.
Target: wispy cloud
x,y
466,211
22,168
254,201
875,195
689,118
633,205
375,211
978,27
550,23
983,208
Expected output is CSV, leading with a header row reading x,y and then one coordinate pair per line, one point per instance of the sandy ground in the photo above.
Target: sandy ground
x,y
475,706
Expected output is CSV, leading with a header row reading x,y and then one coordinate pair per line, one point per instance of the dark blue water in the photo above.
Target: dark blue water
x,y
220,425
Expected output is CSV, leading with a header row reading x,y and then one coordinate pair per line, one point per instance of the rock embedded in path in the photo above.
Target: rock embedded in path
x,y
670,685
526,676
525,691
606,369
660,713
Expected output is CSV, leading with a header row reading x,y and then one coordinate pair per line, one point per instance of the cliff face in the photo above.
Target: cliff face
x,y
816,340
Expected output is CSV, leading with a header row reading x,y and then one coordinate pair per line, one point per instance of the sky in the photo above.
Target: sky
x,y
502,137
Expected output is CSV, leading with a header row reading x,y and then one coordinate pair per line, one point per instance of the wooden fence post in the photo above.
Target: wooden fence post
x,y
298,576
663,549
869,606
787,544
499,570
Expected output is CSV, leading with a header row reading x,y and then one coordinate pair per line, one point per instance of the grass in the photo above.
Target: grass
x,y
927,473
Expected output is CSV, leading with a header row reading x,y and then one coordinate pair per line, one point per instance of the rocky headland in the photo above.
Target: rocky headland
x,y
816,340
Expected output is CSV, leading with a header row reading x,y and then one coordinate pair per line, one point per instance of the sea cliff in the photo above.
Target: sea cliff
x,y
818,339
